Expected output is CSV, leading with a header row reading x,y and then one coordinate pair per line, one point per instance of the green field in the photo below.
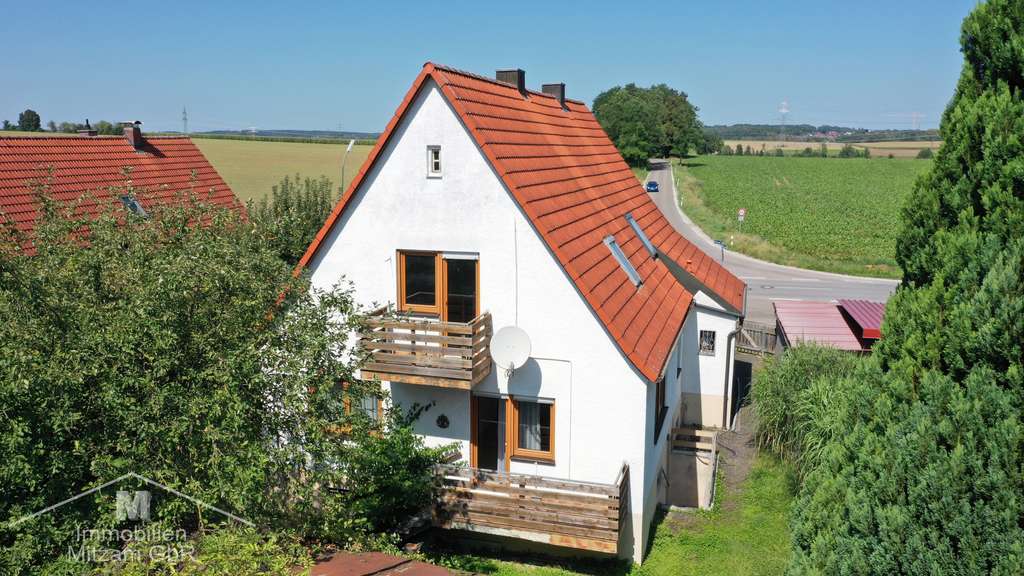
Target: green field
x,y
252,168
832,214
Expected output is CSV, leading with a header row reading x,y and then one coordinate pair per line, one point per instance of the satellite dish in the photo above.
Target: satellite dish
x,y
510,348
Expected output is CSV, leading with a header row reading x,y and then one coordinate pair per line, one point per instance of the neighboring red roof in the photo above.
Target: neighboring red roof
x,y
867,315
818,322
161,169
575,188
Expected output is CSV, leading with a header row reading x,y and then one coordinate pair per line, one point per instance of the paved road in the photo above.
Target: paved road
x,y
765,281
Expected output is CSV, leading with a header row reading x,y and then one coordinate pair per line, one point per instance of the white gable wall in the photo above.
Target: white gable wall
x,y
600,400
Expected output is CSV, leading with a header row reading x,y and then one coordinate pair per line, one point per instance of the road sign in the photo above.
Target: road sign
x,y
742,214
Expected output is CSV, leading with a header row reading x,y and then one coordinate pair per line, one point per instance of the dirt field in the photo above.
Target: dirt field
x,y
878,149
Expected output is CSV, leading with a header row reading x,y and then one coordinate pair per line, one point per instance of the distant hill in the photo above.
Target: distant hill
x,y
810,133
299,134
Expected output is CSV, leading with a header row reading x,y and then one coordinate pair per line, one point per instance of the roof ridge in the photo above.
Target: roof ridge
x,y
453,70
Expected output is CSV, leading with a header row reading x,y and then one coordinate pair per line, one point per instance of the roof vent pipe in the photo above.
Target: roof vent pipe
x,y
515,77
556,90
133,132
87,130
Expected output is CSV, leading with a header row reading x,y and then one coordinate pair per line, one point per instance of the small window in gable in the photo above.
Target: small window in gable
x,y
433,161
707,342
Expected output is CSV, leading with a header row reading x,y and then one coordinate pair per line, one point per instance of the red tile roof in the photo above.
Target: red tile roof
x,y
867,315
818,322
161,169
575,188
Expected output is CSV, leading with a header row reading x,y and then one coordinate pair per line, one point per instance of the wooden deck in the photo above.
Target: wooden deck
x,y
581,515
428,352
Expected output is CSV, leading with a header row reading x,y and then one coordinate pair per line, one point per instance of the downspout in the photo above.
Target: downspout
x,y
729,345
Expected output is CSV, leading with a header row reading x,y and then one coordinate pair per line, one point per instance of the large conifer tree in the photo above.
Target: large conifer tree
x,y
929,477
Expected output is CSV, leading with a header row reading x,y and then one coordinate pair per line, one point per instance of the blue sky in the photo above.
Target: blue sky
x,y
321,66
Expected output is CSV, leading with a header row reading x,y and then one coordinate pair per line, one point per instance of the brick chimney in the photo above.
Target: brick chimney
x,y
133,133
556,90
88,130
515,77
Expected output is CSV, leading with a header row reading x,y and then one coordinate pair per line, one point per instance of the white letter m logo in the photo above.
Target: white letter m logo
x,y
133,508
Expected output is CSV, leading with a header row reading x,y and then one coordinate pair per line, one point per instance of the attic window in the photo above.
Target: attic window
x,y
624,262
640,234
433,161
132,204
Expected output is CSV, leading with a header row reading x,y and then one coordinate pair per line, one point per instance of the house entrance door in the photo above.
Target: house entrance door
x,y
489,433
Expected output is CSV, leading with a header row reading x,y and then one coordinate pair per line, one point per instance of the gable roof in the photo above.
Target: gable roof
x,y
575,188
163,167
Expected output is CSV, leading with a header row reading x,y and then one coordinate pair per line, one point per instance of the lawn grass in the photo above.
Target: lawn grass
x,y
831,214
641,172
748,536
251,169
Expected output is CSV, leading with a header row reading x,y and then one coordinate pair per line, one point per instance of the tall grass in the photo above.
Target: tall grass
x,y
798,399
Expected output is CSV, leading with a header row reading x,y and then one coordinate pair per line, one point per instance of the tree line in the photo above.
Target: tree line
x,y
29,121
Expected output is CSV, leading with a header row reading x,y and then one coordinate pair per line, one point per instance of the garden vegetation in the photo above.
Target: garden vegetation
x,y
180,347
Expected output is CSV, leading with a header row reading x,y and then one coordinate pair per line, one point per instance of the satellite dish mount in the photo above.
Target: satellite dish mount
x,y
510,349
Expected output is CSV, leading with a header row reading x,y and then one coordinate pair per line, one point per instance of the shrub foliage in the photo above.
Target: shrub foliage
x,y
149,346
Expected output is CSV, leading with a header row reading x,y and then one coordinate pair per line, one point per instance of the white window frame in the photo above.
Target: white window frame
x,y
431,172
700,342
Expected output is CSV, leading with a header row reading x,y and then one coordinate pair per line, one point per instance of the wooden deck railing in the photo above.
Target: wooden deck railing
x,y
423,351
581,515
691,438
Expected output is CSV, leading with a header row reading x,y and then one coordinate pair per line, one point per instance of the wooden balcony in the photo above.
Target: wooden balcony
x,y
428,352
567,513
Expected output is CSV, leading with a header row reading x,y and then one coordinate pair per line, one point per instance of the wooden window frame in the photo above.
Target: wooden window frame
x,y
547,457
473,434
438,308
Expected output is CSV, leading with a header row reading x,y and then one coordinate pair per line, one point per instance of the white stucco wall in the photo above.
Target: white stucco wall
x,y
600,400
705,389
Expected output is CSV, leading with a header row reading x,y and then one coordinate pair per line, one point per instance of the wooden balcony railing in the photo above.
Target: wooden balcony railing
x,y
568,513
429,352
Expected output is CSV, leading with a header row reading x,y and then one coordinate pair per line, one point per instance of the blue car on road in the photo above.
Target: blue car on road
x,y
652,186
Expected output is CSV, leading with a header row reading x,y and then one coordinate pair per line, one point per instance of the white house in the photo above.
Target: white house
x,y
485,205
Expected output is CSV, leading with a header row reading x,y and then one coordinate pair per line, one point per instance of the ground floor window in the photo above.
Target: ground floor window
x,y
660,408
533,428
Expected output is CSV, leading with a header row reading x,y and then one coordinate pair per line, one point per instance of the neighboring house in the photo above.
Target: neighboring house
x,y
853,325
161,168
485,205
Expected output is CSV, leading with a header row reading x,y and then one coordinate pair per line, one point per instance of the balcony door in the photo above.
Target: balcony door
x,y
445,285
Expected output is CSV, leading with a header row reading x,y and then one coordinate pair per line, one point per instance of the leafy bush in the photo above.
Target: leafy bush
x,y
293,213
924,154
223,552
147,346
